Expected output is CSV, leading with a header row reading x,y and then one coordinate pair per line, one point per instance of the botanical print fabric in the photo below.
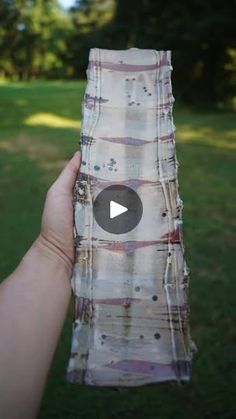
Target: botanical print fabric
x,y
131,319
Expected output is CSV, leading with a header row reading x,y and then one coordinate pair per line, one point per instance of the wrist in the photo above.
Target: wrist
x,y
49,250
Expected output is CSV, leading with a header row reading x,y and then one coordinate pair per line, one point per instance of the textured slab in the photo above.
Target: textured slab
x,y
131,322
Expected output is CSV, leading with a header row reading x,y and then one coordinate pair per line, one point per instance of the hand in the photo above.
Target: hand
x,y
34,300
57,219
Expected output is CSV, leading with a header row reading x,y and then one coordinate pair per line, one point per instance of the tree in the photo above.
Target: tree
x,y
198,32
91,28
33,38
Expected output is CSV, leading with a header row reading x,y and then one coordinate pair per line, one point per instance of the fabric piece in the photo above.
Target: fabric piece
x,y
131,321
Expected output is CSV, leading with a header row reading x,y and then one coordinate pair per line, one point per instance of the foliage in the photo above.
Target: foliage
x,y
38,39
33,38
198,32
90,19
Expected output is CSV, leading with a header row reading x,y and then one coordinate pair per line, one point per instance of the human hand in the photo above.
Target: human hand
x,y
36,319
57,219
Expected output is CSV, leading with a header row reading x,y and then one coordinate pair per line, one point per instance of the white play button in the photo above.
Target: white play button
x,y
116,209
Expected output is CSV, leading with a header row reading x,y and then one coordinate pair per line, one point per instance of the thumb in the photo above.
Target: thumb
x,y
67,177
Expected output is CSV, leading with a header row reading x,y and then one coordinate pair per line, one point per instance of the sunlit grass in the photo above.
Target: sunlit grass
x,y
51,120
208,135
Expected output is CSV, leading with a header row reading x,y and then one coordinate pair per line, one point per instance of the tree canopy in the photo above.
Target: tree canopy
x,y
38,39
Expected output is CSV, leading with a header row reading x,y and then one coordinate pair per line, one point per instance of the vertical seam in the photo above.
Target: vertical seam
x,y
162,180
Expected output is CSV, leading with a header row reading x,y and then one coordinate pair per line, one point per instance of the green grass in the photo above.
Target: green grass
x,y
39,132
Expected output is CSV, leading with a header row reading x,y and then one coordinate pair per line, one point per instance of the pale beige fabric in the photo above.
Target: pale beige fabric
x,y
131,324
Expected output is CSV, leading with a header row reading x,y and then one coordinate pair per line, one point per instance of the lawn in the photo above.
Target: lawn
x,y
40,124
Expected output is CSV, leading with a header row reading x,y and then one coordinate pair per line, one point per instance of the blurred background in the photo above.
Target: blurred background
x,y
44,46
50,39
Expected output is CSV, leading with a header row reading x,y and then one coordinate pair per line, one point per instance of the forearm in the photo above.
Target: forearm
x,y
33,304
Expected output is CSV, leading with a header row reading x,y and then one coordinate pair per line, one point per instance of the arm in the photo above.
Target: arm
x,y
34,301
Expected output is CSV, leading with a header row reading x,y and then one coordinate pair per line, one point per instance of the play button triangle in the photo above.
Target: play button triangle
x,y
116,209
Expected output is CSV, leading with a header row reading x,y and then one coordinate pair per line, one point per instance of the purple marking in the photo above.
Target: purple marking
x,y
78,239
91,101
173,236
176,369
131,183
82,306
167,137
127,140
183,308
129,246
76,376
116,301
84,177
164,60
86,140
129,67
